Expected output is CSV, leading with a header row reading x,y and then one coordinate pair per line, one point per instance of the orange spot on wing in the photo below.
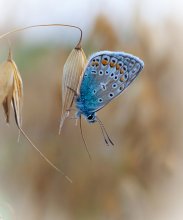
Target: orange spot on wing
x,y
95,63
117,66
112,64
121,71
122,79
104,62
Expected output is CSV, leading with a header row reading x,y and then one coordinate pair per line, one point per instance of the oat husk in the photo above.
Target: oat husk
x,y
72,72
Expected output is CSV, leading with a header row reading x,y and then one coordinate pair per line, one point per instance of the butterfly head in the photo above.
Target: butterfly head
x,y
91,118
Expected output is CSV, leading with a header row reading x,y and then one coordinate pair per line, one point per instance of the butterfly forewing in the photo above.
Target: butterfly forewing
x,y
106,76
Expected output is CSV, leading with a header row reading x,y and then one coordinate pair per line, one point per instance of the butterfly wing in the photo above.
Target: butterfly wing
x,y
105,77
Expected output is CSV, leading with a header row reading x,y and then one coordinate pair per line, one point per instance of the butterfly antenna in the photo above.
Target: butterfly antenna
x,y
80,125
104,132
74,91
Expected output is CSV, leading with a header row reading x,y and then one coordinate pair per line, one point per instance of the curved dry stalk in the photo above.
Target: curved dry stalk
x,y
78,46
43,156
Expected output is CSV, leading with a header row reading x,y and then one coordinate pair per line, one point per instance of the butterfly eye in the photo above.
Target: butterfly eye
x,y
91,118
106,72
101,72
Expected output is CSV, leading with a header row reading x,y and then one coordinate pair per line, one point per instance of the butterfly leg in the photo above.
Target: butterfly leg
x,y
75,95
75,118
74,91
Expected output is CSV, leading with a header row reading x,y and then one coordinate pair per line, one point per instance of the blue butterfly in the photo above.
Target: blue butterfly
x,y
106,76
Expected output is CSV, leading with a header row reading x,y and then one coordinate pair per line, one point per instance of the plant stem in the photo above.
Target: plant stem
x,y
78,46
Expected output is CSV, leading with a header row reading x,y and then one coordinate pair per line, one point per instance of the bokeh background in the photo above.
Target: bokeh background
x,y
140,177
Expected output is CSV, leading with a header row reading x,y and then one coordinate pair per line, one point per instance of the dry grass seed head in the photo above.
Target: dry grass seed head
x,y
72,72
17,99
11,91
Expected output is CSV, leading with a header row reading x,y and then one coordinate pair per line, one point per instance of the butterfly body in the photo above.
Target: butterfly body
x,y
106,75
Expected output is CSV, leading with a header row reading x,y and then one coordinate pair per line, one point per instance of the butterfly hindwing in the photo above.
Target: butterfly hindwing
x,y
106,75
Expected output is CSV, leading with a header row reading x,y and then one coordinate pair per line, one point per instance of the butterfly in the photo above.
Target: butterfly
x,y
106,75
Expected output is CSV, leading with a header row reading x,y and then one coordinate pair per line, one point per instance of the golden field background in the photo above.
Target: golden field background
x,y
140,177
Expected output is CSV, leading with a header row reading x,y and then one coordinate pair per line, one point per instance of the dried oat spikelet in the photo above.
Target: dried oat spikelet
x,y
11,91
17,98
72,72
6,80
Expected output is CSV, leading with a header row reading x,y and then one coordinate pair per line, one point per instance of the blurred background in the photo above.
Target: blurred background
x,y
140,177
